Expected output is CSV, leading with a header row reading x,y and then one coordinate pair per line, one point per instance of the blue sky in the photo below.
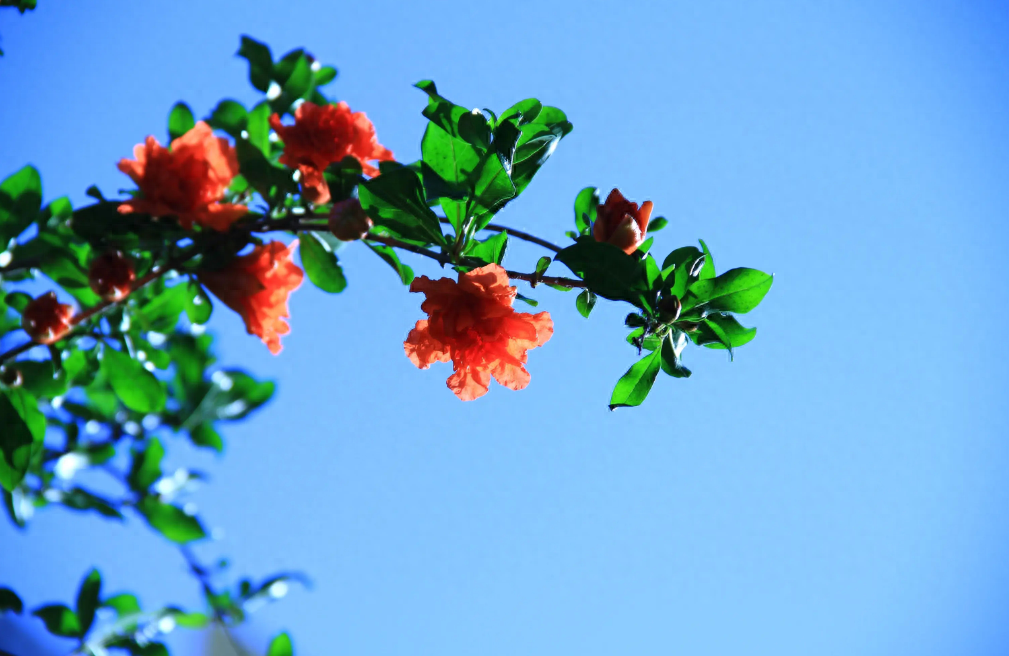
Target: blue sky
x,y
838,489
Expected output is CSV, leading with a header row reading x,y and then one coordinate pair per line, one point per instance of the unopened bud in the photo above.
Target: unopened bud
x,y
11,377
46,320
669,308
111,276
348,222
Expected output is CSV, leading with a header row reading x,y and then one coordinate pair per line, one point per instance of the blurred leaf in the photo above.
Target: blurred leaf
x,y
20,201
180,120
87,599
146,466
10,602
136,387
270,181
170,521
124,604
199,307
80,499
59,620
585,302
229,116
24,428
260,62
258,127
17,301
321,263
633,386
190,620
205,435
737,290
40,379
324,76
280,646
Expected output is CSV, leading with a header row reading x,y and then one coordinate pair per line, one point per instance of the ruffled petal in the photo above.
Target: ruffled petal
x,y
423,349
469,383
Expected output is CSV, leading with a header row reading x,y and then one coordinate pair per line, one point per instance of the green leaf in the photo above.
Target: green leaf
x,y
230,116
490,250
450,157
737,290
672,346
258,127
206,436
324,76
199,308
59,620
492,190
124,604
260,62
190,620
10,602
20,201
146,468
708,270
681,260
542,265
24,428
298,84
586,206
321,264
269,180
441,112
585,302
180,120
17,301
280,646
171,521
607,270
136,387
396,200
525,299
80,499
722,331
633,386
161,314
87,599
392,259
41,380
656,224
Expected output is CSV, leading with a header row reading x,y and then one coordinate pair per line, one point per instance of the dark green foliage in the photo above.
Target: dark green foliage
x,y
321,264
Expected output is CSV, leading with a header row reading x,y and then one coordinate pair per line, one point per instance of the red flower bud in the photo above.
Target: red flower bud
x,y
46,320
348,222
621,223
111,276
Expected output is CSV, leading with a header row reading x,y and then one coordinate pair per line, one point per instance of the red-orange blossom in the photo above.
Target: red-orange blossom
x,y
472,323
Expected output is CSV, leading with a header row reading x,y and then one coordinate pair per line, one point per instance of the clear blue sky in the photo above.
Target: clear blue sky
x,y
839,489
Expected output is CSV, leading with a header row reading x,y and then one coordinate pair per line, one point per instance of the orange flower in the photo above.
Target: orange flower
x,y
323,134
46,320
256,286
472,323
111,276
187,181
621,223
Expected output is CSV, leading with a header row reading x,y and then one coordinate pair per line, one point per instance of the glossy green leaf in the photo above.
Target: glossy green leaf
x,y
87,599
229,116
136,387
542,265
441,112
607,270
681,261
321,263
180,120
656,224
585,301
722,331
672,347
20,201
10,602
737,290
396,200
490,250
586,206
260,62
708,270
452,158
24,429
59,620
280,646
146,466
492,190
633,386
171,521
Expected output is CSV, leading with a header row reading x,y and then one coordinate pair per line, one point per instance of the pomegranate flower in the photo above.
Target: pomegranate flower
x,y
257,286
322,135
472,323
188,181
621,223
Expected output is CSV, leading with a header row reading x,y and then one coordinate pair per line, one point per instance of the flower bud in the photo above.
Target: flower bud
x,y
111,276
11,377
348,222
46,320
621,222
669,309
